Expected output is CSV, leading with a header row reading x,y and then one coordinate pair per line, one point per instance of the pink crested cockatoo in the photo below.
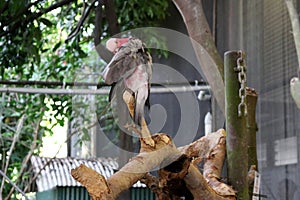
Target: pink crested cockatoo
x,y
132,64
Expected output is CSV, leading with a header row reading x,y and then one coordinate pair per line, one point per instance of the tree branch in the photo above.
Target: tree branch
x,y
23,22
175,178
98,23
101,50
14,185
4,7
144,133
9,153
203,43
113,27
16,17
111,17
133,171
175,167
85,13
27,158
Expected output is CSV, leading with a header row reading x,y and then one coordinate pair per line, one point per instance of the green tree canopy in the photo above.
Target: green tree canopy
x,y
47,40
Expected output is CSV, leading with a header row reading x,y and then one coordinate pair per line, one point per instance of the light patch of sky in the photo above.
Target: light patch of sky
x,y
54,145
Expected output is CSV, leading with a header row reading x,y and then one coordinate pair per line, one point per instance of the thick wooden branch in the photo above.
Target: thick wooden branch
x,y
182,173
211,149
133,171
251,126
212,169
203,43
144,133
177,172
198,186
93,181
171,178
178,176
202,147
111,17
251,134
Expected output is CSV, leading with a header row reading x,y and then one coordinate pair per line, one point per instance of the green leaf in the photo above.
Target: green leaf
x,y
56,46
46,22
16,6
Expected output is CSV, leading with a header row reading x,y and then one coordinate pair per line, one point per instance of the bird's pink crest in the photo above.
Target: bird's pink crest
x,y
113,44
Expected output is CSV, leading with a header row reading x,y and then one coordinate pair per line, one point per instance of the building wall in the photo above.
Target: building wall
x,y
271,63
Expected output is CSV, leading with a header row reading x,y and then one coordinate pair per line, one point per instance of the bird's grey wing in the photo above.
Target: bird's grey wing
x,y
122,63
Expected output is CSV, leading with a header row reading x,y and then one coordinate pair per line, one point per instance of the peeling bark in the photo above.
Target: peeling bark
x,y
144,133
199,187
203,43
178,177
212,169
93,181
133,171
251,126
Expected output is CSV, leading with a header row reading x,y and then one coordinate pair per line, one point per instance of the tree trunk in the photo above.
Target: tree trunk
x,y
203,43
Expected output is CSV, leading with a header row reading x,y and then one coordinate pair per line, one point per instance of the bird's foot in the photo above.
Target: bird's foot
x,y
142,132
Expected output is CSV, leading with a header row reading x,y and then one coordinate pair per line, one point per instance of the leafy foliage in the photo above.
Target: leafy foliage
x,y
134,13
33,46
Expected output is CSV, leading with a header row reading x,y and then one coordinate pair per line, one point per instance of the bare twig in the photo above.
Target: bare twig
x,y
1,122
27,158
9,153
59,148
14,185
61,145
84,14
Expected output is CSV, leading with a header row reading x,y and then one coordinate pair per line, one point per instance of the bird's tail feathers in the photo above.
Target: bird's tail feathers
x,y
138,113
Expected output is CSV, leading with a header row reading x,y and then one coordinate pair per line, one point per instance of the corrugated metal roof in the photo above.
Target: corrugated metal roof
x,y
53,172
57,171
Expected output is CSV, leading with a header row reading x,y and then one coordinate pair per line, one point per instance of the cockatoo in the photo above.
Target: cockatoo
x,y
132,64
295,90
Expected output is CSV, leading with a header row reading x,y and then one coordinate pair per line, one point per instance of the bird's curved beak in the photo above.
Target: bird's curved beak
x,y
113,44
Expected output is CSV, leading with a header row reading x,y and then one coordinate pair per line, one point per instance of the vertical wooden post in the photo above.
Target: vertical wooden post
x,y
236,140
251,126
251,134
